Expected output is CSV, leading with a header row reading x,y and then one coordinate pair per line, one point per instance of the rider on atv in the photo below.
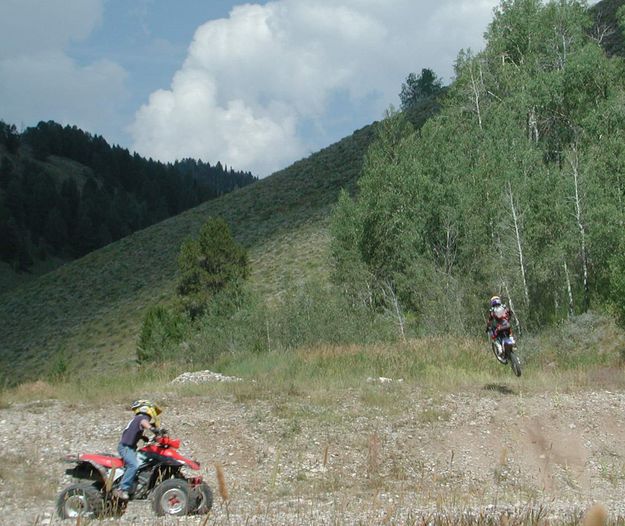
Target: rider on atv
x,y
498,324
146,419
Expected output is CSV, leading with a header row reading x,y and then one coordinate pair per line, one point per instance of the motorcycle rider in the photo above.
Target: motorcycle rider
x,y
499,316
146,419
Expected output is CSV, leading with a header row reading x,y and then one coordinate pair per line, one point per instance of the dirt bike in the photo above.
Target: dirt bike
x,y
505,349
159,478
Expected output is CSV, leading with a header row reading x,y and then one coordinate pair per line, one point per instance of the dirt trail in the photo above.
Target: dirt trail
x,y
382,453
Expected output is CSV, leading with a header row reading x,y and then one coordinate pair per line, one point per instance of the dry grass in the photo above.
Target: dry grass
x,y
20,473
597,515
436,365
221,483
374,457
30,392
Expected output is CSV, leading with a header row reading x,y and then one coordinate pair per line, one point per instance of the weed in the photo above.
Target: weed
x,y
374,459
221,483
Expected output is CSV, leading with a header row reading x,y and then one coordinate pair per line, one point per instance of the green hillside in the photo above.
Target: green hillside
x,y
89,311
65,193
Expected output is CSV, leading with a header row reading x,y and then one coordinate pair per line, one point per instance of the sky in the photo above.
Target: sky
x,y
254,85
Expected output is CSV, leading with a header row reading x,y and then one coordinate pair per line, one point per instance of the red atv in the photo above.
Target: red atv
x,y
159,478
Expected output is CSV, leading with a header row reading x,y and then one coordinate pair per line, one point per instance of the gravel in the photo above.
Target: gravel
x,y
386,453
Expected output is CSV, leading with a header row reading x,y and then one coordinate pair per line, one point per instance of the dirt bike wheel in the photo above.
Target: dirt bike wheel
x,y
171,497
79,500
500,359
201,499
515,363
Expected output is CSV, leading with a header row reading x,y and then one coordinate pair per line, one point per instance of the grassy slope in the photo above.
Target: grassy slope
x,y
90,310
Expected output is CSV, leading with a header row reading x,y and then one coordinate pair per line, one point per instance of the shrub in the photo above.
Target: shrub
x,y
310,314
162,331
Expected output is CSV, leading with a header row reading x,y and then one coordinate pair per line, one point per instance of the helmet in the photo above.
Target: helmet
x,y
148,408
495,300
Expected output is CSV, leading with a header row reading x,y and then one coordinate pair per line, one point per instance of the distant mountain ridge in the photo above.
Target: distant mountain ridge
x,y
65,192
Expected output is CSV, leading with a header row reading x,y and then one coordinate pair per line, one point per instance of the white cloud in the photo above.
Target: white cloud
x,y
39,81
252,81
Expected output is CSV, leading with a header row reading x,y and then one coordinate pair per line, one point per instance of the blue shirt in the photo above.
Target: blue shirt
x,y
134,431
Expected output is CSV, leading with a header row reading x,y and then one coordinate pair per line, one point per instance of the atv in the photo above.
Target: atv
x,y
160,478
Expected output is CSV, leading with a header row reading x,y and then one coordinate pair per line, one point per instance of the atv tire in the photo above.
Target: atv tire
x,y
201,499
172,497
79,500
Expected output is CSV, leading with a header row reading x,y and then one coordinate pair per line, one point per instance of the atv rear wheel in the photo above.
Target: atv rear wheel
x,y
201,499
171,497
79,500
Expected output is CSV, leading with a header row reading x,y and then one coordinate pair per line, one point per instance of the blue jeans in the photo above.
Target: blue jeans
x,y
132,465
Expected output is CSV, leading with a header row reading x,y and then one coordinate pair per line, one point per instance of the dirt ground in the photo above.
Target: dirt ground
x,y
384,454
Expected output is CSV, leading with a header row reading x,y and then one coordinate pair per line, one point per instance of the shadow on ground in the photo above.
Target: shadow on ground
x,y
500,388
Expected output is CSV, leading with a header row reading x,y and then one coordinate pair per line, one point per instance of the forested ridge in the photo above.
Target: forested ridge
x,y
65,192
515,188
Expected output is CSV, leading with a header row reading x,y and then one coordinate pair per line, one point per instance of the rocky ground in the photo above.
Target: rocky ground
x,y
387,453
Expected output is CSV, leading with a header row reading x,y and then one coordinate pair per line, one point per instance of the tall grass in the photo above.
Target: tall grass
x,y
585,353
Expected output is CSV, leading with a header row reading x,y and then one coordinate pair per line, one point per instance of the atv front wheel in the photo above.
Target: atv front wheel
x,y
201,499
79,500
171,497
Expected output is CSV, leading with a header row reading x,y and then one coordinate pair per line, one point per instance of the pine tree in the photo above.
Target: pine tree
x,y
209,264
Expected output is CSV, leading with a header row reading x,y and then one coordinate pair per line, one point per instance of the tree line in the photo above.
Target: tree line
x,y
106,194
516,187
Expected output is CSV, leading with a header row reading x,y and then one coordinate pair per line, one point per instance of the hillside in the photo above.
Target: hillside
x,y
65,193
88,312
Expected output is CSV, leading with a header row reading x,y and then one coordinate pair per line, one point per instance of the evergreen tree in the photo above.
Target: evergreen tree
x,y
417,88
55,230
209,264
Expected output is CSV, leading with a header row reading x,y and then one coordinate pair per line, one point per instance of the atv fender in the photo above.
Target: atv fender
x,y
86,470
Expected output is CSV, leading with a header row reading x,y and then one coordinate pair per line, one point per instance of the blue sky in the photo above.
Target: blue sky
x,y
148,38
256,85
